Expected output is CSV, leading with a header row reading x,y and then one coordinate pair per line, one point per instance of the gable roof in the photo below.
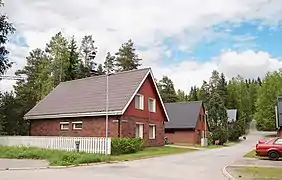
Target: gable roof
x,y
183,114
231,115
87,96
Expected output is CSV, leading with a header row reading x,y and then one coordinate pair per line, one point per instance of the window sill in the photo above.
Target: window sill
x,y
152,138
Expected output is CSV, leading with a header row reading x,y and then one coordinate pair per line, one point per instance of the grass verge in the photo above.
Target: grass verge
x,y
152,152
208,147
262,173
251,154
66,158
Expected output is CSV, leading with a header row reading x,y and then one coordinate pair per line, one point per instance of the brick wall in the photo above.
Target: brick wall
x,y
92,126
95,127
128,130
181,136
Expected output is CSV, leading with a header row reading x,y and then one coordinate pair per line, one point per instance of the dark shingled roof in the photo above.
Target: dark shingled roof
x,y
88,95
183,114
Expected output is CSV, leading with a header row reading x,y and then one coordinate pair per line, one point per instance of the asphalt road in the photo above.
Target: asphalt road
x,y
200,165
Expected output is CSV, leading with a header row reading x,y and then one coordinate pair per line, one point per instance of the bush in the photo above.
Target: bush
x,y
126,145
234,131
55,157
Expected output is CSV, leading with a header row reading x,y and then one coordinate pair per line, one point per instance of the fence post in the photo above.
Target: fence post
x,y
109,146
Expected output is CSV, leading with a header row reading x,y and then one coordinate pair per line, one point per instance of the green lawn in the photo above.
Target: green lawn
x,y
152,152
251,154
209,146
65,158
252,173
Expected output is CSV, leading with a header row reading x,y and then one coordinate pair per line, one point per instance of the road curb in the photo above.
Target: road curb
x,y
227,174
57,167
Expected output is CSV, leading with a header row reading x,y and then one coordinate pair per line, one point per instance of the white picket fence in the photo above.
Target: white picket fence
x,y
87,144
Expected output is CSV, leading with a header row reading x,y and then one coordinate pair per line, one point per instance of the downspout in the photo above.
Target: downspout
x,y
118,117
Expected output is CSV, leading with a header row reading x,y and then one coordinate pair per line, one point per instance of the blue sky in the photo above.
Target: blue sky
x,y
237,37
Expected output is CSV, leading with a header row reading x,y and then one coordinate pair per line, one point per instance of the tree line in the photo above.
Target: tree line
x,y
63,59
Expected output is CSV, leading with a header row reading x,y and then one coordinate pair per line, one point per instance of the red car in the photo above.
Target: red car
x,y
270,147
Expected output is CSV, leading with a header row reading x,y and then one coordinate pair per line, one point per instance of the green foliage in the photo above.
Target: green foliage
x,y
88,52
234,131
267,95
109,63
55,157
167,91
181,96
73,69
126,145
6,29
126,57
193,95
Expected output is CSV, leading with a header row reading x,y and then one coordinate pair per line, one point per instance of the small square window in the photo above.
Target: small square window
x,y
152,131
77,125
64,125
152,105
139,101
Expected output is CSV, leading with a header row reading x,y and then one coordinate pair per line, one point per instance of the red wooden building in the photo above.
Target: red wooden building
x,y
187,122
78,108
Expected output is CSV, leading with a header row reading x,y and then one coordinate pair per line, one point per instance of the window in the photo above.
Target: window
x,y
139,101
278,141
77,125
152,105
64,125
139,131
152,131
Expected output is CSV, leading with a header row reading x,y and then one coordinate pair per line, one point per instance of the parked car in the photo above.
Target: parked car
x,y
269,147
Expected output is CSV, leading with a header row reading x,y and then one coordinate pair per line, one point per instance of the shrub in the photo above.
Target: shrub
x,y
126,145
55,157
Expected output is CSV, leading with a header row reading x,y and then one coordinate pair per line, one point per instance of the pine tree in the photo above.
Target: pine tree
x,y
109,63
222,89
181,96
217,117
204,92
72,72
57,48
126,57
88,52
100,70
167,91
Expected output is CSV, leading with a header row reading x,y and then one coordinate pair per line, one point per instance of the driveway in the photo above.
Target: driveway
x,y
200,165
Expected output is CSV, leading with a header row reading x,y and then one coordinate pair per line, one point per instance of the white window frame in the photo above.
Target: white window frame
x,y
154,131
141,101
62,125
154,105
140,130
75,123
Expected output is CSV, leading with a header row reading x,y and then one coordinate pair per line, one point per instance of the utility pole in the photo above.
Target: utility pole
x,y
107,108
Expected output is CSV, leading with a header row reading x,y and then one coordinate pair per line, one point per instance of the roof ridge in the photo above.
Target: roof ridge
x,y
103,75
185,102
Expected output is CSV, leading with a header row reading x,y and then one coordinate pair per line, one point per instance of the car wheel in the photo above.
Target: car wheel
x,y
273,155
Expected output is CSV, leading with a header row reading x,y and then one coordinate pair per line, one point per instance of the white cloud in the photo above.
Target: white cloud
x,y
113,22
249,64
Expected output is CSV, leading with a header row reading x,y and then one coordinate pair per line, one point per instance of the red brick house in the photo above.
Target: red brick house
x,y
78,108
187,122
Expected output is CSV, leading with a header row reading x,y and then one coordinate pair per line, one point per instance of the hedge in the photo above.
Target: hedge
x,y
126,145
